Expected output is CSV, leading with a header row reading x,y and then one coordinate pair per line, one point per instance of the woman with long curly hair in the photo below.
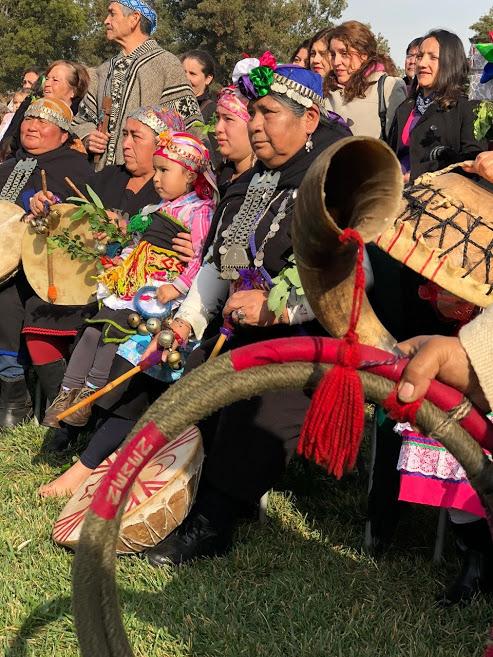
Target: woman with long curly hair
x,y
363,85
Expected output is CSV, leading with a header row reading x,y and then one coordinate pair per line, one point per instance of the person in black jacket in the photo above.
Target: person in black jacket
x,y
434,126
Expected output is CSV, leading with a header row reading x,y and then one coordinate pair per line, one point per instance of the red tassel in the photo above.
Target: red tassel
x,y
334,423
52,293
399,411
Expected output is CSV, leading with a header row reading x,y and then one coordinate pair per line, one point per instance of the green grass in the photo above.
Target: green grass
x,y
300,585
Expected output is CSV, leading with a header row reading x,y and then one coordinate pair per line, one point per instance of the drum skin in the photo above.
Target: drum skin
x,y
158,502
12,229
74,279
444,231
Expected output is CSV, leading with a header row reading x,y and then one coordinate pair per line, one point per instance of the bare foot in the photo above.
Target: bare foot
x,y
67,483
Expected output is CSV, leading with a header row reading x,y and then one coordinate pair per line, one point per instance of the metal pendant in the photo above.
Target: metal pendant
x,y
234,259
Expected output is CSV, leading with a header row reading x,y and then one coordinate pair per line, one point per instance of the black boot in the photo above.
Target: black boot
x,y
61,439
15,401
475,547
51,376
196,537
207,531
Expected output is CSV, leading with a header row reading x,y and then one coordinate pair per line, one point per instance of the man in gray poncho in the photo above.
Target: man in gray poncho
x,y
141,74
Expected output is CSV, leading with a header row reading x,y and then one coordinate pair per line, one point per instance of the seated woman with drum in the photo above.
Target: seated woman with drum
x,y
46,145
247,443
50,329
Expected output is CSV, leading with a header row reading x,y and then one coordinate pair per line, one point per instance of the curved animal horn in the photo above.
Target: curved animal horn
x,y
356,183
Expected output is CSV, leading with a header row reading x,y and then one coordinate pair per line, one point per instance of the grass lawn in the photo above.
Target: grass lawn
x,y
300,585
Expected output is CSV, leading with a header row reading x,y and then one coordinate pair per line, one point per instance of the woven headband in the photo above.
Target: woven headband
x,y
143,9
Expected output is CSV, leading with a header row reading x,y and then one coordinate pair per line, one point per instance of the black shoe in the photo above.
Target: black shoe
x,y
50,376
196,537
471,581
15,402
61,439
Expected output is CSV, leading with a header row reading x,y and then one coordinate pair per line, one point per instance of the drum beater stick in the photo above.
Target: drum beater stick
x,y
75,189
52,291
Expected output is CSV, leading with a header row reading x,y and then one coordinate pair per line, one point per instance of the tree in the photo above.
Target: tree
x,y
228,29
482,27
37,33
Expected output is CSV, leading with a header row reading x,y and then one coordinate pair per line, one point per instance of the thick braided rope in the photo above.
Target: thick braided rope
x,y
209,388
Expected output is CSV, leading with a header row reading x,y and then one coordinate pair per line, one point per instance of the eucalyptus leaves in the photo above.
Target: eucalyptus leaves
x,y
483,124
285,283
99,222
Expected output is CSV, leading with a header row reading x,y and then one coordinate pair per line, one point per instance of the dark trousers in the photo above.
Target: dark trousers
x,y
248,443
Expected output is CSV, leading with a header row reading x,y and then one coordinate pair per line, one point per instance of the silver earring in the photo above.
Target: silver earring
x,y
309,144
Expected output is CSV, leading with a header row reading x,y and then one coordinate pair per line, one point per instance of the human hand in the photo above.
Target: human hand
x,y
249,307
96,142
442,358
180,328
40,201
482,166
166,293
182,244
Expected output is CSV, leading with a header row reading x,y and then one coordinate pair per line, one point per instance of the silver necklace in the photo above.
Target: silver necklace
x,y
17,179
233,250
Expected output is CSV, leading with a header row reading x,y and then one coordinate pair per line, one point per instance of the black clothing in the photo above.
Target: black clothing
x,y
439,138
110,185
58,163
16,292
249,442
207,104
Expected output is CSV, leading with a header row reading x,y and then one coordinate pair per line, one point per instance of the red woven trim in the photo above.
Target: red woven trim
x,y
125,469
325,350
44,331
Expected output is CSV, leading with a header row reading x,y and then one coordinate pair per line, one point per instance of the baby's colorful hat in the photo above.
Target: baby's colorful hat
x,y
188,151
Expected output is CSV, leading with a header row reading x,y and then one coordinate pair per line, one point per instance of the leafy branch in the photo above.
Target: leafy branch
x,y
285,282
483,124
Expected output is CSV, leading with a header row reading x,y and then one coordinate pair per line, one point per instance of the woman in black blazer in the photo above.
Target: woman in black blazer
x,y
434,126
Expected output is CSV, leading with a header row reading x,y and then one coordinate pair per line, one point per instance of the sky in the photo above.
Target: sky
x,y
400,21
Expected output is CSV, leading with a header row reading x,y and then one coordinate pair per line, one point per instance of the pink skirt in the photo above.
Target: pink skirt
x,y
431,475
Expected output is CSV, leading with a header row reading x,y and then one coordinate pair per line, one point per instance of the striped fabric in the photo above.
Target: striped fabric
x,y
147,76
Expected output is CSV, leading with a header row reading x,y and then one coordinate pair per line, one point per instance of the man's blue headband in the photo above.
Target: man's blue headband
x,y
142,8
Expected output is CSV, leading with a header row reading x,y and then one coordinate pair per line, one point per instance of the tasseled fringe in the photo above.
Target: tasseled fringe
x,y
333,427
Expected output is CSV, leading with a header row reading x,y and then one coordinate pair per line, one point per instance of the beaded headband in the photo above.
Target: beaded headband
x,y
159,119
296,82
53,110
143,9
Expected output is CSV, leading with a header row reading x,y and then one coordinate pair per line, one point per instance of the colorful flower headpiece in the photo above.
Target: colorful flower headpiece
x,y
53,110
188,151
486,50
296,82
159,118
143,9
